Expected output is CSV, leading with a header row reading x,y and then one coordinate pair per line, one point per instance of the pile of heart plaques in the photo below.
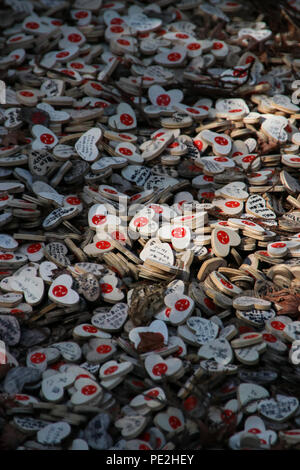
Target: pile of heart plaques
x,y
149,226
